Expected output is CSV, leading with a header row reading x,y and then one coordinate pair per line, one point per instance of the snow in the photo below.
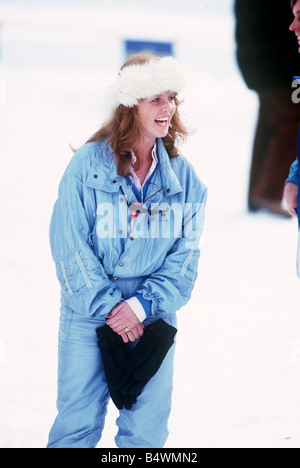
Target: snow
x,y
237,370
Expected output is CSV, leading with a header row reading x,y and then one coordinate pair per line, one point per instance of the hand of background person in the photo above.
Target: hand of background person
x,y
291,197
121,317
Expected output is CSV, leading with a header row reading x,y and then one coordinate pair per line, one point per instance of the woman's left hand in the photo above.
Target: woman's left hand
x,y
121,318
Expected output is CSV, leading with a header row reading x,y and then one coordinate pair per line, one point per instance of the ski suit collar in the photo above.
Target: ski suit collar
x,y
103,173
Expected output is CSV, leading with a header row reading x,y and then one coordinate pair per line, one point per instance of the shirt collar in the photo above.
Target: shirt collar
x,y
153,154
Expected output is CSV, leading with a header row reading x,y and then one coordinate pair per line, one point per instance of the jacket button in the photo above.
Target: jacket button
x,y
95,176
131,238
121,264
115,278
168,190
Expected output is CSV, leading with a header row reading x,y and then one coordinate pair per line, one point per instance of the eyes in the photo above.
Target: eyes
x,y
159,99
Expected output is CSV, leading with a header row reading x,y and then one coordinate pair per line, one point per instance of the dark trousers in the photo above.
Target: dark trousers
x,y
275,144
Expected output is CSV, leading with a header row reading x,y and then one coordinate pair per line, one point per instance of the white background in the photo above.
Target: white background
x,y
237,370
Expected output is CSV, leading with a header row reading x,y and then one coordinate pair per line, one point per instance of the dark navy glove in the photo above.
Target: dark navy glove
x,y
114,353
145,359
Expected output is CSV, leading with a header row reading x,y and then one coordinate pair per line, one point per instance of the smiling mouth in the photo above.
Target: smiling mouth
x,y
162,122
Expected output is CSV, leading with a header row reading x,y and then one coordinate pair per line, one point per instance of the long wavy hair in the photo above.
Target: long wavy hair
x,y
123,132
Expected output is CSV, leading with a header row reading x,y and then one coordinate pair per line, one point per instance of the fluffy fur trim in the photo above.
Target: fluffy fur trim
x,y
143,81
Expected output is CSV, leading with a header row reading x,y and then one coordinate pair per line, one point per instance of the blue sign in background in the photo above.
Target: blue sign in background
x,y
157,48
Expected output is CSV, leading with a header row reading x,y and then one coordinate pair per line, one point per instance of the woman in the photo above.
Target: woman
x,y
291,191
124,236
291,187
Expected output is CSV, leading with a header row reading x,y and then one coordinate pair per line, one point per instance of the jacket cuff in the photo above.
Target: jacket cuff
x,y
292,180
140,306
293,175
147,305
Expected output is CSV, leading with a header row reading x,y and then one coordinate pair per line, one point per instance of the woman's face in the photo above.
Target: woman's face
x,y
155,115
295,26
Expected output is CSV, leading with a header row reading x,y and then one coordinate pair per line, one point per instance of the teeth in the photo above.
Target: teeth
x,y
161,122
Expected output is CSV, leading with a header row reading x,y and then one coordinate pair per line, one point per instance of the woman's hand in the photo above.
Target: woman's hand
x,y
122,317
291,195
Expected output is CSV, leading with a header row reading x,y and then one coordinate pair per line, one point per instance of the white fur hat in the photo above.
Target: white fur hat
x,y
145,80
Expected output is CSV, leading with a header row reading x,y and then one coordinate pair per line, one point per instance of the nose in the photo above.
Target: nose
x,y
167,105
294,25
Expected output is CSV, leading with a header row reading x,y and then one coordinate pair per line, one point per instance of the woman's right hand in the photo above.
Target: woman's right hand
x,y
291,197
123,317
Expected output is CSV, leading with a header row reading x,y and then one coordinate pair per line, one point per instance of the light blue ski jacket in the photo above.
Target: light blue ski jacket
x,y
95,246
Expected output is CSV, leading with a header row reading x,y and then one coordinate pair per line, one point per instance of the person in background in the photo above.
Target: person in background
x,y
292,182
268,59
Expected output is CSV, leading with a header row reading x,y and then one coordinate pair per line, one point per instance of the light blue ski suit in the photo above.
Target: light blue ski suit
x,y
99,264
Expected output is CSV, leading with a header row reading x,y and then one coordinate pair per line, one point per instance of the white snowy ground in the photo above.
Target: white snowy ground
x,y
237,373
